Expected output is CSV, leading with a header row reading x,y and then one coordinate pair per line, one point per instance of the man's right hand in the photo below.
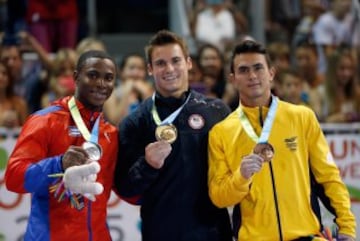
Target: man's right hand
x,y
156,153
251,164
74,156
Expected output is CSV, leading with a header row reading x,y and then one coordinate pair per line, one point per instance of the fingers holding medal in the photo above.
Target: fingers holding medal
x,y
265,150
166,133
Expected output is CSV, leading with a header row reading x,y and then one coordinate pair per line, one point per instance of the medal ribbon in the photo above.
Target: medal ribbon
x,y
171,117
265,132
75,114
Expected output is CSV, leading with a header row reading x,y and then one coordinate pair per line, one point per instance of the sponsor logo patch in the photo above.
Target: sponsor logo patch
x,y
291,143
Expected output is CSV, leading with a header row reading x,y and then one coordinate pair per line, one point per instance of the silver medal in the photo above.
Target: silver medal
x,y
93,150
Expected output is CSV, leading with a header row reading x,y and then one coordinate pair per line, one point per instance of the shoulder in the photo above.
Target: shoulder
x,y
207,104
230,123
292,111
109,127
199,98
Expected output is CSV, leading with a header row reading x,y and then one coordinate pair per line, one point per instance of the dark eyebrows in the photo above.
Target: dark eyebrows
x,y
247,67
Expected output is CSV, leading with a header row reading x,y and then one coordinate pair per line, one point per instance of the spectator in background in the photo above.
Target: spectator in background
x,y
132,90
54,23
90,43
342,93
332,29
196,76
26,76
312,9
215,25
61,81
290,86
279,53
13,108
211,62
306,60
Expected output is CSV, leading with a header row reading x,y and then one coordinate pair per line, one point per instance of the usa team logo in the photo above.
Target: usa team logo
x,y
196,121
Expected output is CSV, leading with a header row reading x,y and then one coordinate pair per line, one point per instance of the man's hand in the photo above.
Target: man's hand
x,y
251,164
344,237
156,152
74,156
82,179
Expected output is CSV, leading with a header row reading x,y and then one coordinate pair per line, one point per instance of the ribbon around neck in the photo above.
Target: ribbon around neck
x,y
75,114
170,119
265,132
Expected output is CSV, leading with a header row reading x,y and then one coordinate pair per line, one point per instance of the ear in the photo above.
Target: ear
x,y
75,75
232,79
149,69
189,63
272,72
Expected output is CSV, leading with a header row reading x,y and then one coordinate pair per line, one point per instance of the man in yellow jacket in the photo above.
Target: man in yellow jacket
x,y
262,154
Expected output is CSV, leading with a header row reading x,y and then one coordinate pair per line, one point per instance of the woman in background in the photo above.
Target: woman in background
x,y
13,108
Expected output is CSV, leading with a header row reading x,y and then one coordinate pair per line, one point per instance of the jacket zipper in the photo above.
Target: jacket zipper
x,y
273,184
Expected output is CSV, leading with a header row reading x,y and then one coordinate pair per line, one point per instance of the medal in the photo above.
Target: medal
x,y
93,150
265,150
166,133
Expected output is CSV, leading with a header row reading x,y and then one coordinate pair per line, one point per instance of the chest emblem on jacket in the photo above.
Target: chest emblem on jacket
x,y
196,121
291,143
74,131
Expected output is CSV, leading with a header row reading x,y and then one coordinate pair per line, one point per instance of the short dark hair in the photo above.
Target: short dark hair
x,y
164,37
249,46
92,54
126,58
307,45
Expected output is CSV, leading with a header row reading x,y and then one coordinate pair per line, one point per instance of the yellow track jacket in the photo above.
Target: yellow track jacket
x,y
299,145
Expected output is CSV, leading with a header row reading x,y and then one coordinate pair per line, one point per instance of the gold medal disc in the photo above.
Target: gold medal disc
x,y
265,150
166,133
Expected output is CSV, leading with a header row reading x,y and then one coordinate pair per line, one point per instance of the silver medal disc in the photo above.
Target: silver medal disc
x,y
93,150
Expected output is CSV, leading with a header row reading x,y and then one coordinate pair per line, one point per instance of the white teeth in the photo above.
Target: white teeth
x,y
100,95
169,78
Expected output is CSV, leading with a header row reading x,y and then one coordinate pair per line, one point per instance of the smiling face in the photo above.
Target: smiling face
x,y
95,82
345,70
252,77
291,88
169,67
134,68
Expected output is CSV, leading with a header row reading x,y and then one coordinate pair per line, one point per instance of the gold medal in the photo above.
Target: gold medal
x,y
93,150
166,133
265,150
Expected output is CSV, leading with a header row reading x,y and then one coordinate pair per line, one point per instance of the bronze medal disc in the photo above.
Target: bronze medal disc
x,y
93,150
265,150
166,133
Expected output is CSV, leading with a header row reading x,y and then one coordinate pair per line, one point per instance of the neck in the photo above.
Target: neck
x,y
88,105
177,95
256,102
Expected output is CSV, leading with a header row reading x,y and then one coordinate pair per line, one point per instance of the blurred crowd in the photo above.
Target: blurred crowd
x,y
314,46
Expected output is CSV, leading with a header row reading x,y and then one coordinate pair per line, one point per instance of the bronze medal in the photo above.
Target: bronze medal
x,y
166,133
265,150
93,150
